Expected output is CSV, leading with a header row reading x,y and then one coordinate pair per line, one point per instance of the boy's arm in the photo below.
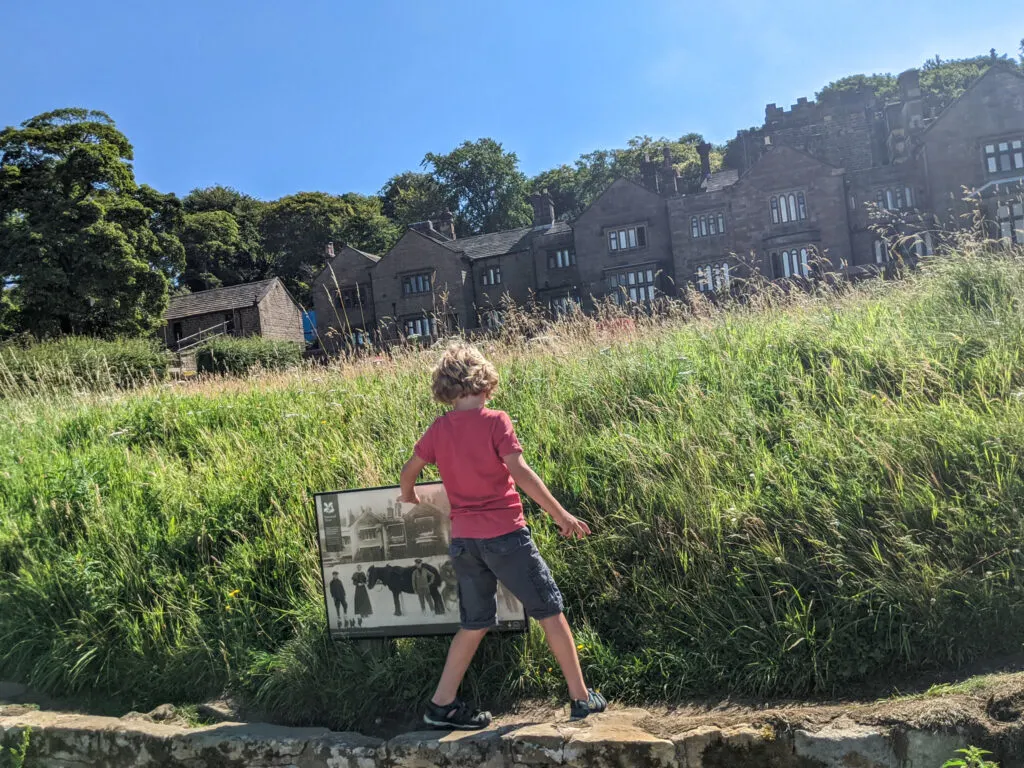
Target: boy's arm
x,y
410,473
534,487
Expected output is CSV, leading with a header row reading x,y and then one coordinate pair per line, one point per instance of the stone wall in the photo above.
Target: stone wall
x,y
614,739
280,318
347,270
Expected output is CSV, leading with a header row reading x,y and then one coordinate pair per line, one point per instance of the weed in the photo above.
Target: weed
x,y
973,757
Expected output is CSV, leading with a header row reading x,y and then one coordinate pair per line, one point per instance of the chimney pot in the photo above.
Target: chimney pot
x,y
446,224
330,249
704,150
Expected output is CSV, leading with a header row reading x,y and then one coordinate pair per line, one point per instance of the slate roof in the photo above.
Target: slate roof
x,y
720,180
500,243
218,299
370,256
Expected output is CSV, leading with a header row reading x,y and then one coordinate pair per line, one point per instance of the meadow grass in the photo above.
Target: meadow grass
x,y
786,500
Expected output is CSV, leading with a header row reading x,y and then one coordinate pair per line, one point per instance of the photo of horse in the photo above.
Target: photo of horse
x,y
385,565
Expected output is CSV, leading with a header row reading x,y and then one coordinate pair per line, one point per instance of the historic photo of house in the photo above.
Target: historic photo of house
x,y
386,568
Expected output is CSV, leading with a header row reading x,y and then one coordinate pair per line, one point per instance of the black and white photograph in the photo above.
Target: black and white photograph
x,y
386,570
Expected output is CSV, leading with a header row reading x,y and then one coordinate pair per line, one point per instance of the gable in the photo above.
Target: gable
x,y
417,247
782,167
992,104
347,261
622,193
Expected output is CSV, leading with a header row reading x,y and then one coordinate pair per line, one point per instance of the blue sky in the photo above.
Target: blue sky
x,y
277,97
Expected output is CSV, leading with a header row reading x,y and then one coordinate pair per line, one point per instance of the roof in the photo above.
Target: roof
x,y
500,243
720,180
218,299
370,256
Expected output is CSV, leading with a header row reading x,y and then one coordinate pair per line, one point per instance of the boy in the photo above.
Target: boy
x,y
481,462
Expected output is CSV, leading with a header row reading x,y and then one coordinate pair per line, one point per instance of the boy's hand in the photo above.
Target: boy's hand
x,y
410,498
571,527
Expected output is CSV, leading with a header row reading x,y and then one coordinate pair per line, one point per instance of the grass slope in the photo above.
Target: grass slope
x,y
785,501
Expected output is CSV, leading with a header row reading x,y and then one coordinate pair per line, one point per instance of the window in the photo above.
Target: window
x,y
369,534
792,262
492,319
881,252
627,238
563,305
229,322
713,277
352,297
358,338
633,285
894,199
420,326
1010,218
491,275
1002,156
707,225
563,259
789,207
412,284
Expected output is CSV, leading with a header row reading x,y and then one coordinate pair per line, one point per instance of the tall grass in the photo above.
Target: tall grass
x,y
76,364
785,500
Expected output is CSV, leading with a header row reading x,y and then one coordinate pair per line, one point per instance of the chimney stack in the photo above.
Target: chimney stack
x,y
446,224
669,181
330,250
649,174
543,210
910,84
704,150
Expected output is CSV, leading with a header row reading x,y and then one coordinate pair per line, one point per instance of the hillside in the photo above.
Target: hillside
x,y
787,498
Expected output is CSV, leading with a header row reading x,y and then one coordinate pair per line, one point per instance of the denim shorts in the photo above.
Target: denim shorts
x,y
513,560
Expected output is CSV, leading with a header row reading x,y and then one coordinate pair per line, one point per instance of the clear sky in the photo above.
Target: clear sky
x,y
277,96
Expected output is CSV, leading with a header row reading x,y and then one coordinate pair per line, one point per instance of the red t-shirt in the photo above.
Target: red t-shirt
x,y
467,447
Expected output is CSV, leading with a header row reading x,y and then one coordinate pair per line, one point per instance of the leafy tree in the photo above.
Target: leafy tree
x,y
297,228
230,258
212,243
884,85
410,197
575,187
8,313
85,249
486,185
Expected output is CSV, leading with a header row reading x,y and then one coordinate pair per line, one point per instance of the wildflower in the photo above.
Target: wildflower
x,y
234,593
550,669
580,647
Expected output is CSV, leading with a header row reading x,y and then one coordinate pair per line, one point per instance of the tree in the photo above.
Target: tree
x,y
485,184
410,197
297,228
222,239
84,248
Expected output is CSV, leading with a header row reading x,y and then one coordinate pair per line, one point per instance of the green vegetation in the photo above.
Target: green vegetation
x,y
973,757
786,499
242,356
16,755
80,364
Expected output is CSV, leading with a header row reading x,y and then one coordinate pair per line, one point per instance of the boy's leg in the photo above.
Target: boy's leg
x,y
560,640
460,654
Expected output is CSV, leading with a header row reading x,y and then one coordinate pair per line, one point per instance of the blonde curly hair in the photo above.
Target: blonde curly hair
x,y
462,371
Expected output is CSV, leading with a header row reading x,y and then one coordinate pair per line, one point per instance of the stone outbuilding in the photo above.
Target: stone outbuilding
x,y
264,308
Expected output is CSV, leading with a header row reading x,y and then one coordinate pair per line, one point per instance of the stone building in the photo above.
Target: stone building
x,y
823,187
264,308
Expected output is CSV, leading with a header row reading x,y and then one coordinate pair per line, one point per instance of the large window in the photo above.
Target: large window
x,y
793,262
491,275
1002,156
564,258
1010,217
788,207
713,277
412,284
707,225
627,238
563,305
632,285
420,326
352,297
894,198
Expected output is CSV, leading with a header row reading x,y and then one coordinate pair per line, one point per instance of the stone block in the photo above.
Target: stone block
x,y
844,744
536,745
618,744
690,745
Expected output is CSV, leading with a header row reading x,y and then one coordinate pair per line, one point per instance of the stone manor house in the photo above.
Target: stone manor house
x,y
822,187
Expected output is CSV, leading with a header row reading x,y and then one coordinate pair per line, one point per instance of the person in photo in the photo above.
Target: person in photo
x,y
361,605
481,462
340,603
422,581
